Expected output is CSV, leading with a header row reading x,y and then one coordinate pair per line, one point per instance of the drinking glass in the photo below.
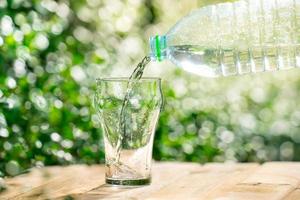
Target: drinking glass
x,y
128,111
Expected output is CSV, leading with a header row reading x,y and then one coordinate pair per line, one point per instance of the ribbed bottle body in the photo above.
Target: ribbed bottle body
x,y
242,37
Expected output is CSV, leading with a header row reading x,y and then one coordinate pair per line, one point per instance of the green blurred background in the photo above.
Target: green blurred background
x,y
51,52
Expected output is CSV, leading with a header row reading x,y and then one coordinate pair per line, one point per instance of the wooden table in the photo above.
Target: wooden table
x,y
275,180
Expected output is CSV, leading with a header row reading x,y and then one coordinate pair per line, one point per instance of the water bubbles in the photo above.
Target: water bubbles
x,y
11,83
41,41
135,101
7,26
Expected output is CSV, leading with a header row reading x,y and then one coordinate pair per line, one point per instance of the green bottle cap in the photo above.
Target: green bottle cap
x,y
158,47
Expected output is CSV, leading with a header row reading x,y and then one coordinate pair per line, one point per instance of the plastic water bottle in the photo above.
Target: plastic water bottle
x,y
246,36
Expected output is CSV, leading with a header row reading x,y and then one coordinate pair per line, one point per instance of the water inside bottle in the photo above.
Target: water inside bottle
x,y
214,62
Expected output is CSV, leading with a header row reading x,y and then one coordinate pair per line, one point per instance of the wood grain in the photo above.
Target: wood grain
x,y
294,195
163,175
170,180
54,182
199,183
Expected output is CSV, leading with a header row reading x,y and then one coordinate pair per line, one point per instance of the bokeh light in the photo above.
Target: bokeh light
x,y
51,52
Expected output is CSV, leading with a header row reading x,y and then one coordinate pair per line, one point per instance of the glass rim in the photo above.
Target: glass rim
x,y
126,79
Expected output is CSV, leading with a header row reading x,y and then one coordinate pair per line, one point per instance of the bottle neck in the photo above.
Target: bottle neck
x,y
158,47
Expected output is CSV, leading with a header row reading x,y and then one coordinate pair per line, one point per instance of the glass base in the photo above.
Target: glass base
x,y
128,182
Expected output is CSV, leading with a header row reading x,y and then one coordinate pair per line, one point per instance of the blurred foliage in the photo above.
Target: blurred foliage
x,y
52,51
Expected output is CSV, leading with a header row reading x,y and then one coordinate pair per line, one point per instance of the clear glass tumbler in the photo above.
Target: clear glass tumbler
x,y
128,127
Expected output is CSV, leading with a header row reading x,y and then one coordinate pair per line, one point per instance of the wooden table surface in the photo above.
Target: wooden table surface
x,y
170,180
